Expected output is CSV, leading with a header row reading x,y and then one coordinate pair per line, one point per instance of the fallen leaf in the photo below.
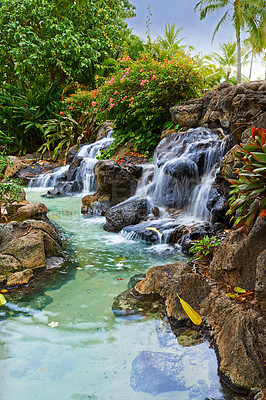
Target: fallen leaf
x,y
44,369
54,216
239,290
191,313
78,268
3,291
231,295
120,279
28,230
2,300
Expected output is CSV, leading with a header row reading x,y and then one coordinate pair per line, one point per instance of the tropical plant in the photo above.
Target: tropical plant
x,y
42,41
204,248
140,93
227,59
64,132
248,194
242,13
22,113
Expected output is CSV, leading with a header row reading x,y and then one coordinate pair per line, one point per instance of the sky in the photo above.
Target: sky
x,y
196,33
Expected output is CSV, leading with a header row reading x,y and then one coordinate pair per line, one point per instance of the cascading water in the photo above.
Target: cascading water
x,y
183,170
83,178
89,153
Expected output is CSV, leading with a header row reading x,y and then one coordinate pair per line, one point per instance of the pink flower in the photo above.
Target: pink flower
x,y
154,77
61,112
116,92
94,104
111,100
143,82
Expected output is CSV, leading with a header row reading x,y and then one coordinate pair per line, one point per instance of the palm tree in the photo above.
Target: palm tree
x,y
227,60
168,45
242,13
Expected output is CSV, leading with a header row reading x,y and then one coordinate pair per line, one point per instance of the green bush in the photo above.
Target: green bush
x,y
205,248
22,113
138,97
248,194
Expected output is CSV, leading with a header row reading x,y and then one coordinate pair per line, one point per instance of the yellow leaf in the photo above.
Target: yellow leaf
x,y
238,289
44,369
2,300
3,291
153,229
231,295
191,313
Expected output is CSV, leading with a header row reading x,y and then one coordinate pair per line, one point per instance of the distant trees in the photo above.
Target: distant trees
x,y
243,14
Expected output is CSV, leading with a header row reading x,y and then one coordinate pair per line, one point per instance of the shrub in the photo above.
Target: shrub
x,y
22,113
248,194
138,97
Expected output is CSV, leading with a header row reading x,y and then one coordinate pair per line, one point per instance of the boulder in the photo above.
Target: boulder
x,y
130,212
260,285
27,245
104,130
187,114
235,261
29,211
230,163
16,165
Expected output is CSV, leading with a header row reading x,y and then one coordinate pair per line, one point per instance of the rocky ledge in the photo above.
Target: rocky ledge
x,y
235,327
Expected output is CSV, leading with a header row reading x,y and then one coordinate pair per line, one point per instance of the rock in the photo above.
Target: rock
x,y
16,165
238,332
127,304
104,129
157,372
181,169
187,114
230,163
19,278
28,245
235,261
260,285
30,211
217,204
130,212
117,182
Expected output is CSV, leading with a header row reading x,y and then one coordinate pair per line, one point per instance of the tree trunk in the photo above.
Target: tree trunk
x,y
238,58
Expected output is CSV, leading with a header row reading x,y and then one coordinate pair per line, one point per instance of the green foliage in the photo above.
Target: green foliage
x,y
248,194
22,113
139,95
205,248
45,40
65,131
10,188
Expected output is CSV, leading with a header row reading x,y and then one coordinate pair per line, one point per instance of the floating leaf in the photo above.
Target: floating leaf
x,y
2,300
239,290
231,295
192,314
153,229
3,291
79,268
119,259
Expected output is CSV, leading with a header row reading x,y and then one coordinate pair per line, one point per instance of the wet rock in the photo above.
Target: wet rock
x,y
19,278
181,169
130,212
217,204
104,129
64,188
157,372
235,261
134,280
128,304
230,163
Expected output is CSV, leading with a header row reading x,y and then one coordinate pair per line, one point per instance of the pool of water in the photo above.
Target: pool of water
x,y
63,341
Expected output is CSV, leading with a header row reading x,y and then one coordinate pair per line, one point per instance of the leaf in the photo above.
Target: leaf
x,y
259,157
153,229
192,314
2,300
238,289
231,295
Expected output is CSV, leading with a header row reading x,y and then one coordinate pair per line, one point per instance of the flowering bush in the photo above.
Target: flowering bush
x,y
138,97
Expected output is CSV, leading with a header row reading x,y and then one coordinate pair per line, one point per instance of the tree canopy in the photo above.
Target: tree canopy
x,y
41,40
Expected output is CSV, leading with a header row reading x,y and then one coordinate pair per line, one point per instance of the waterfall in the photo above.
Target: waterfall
x,y
82,179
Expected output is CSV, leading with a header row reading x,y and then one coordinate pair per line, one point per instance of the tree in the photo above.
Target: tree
x,y
242,13
227,60
168,45
43,40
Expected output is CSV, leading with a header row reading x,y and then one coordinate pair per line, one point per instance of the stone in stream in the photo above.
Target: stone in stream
x,y
157,372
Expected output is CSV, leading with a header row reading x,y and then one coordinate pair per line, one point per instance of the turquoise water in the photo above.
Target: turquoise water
x,y
90,353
